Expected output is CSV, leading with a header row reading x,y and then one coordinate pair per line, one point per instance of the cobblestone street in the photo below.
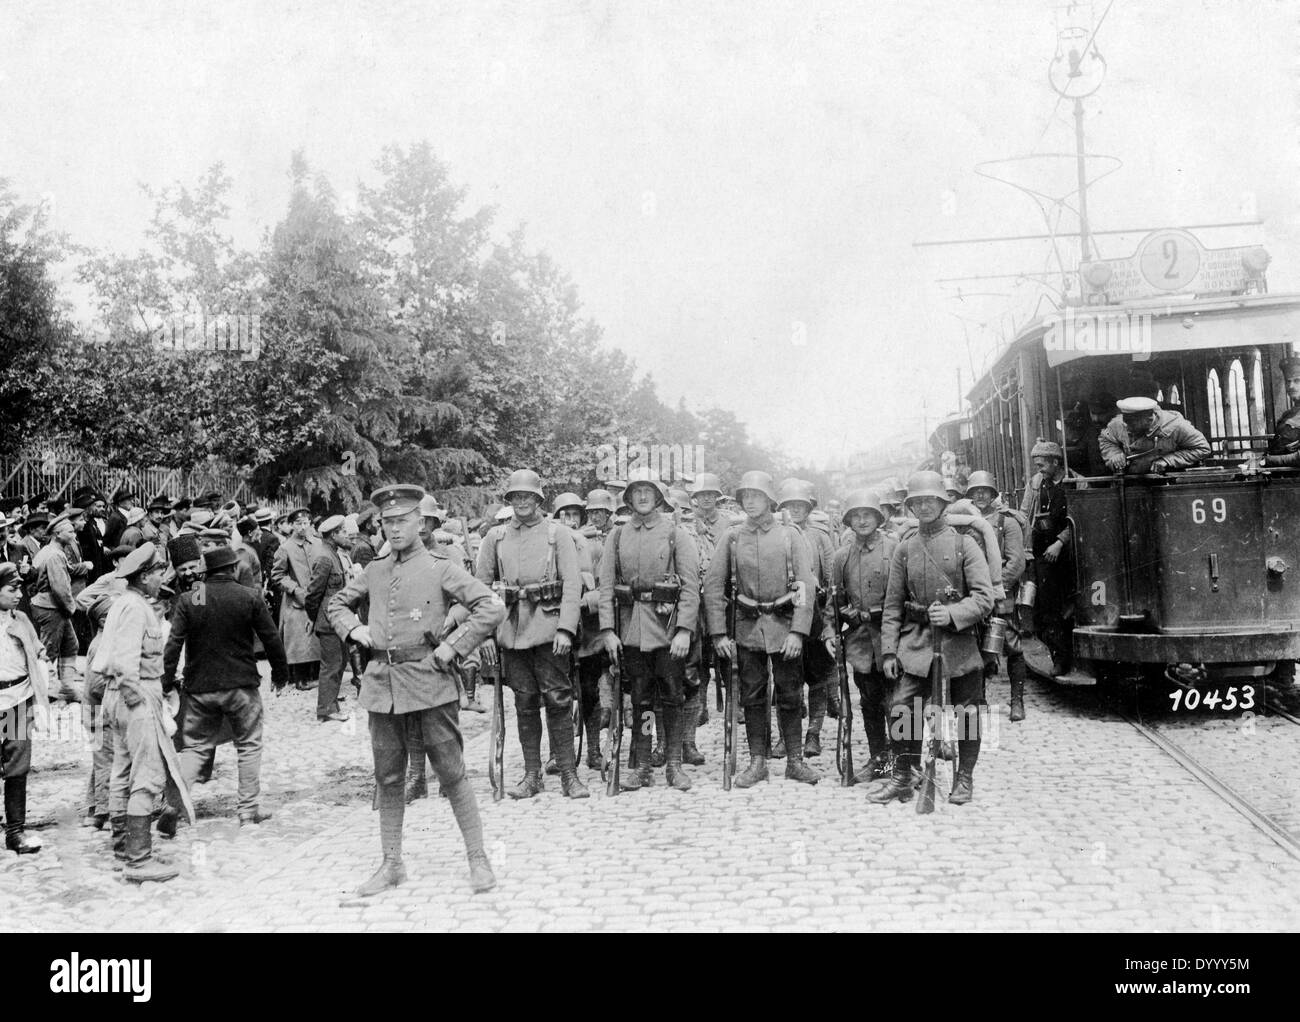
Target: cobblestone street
x,y
1078,824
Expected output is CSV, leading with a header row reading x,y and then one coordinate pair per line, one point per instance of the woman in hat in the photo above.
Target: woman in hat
x,y
130,657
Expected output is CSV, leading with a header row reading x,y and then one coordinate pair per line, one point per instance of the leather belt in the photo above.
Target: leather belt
x,y
401,654
13,682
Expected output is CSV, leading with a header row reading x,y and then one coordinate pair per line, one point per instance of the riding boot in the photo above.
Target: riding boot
x,y
675,775
1016,672
117,827
16,837
690,721
756,736
595,761
70,682
559,724
140,863
898,785
530,743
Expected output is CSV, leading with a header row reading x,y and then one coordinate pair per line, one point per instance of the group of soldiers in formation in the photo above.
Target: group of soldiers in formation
x,y
667,588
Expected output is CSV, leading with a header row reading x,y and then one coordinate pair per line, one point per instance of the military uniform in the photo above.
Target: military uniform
x,y
860,570
649,573
22,689
775,587
410,593
330,569
534,566
1011,542
53,606
934,565
818,665
1045,506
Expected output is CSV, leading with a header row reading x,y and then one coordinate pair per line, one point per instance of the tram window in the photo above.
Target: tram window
x,y
1174,397
1160,395
1258,416
1238,407
1214,393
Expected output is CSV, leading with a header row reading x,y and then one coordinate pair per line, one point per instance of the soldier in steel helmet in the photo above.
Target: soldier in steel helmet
x,y
795,498
982,488
409,594
860,570
532,563
774,587
937,580
1044,505
649,604
706,526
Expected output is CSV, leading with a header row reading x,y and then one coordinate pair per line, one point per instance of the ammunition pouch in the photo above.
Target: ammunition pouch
x,y
508,594
544,592
750,608
917,613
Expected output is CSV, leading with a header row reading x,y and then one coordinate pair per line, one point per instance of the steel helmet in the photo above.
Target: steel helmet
x,y
706,482
1046,449
565,500
525,480
679,498
982,479
760,481
793,490
642,476
926,484
863,499
600,500
953,485
429,508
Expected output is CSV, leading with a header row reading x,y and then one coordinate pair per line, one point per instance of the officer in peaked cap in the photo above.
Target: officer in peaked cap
x,y
1144,438
409,674
533,564
774,587
1284,447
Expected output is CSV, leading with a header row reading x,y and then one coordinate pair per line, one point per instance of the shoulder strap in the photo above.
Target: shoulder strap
x,y
618,554
550,552
672,548
733,544
498,535
789,558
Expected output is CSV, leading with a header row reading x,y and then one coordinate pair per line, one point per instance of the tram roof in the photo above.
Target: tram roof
x,y
1174,324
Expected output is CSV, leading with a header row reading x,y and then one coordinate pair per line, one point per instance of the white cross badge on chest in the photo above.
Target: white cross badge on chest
x,y
417,613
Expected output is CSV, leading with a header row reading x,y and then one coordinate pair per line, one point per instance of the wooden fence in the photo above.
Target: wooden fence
x,y
60,470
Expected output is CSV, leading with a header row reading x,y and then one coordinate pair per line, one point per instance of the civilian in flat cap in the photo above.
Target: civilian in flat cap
x,y
22,690
53,604
1284,447
130,657
216,626
330,570
1145,439
410,592
292,574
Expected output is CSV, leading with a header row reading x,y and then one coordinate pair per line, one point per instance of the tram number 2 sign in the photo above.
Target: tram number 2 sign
x,y
1218,510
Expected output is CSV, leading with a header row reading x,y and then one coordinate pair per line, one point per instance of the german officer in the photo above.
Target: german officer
x,y
22,690
796,500
409,594
860,571
773,588
982,488
648,592
1284,447
937,580
532,563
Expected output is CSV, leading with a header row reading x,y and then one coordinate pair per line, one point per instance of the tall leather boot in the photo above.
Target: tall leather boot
x,y
898,785
963,785
756,735
560,726
1016,673
774,724
795,767
117,826
690,721
595,761
674,773
817,703
70,681
392,813
140,862
530,743
16,837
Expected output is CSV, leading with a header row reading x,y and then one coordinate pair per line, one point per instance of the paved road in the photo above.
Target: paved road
x,y
1078,824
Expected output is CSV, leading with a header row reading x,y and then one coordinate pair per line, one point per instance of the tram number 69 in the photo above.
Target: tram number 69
x,y
1218,508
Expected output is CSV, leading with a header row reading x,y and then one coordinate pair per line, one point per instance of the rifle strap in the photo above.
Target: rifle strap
x,y
672,551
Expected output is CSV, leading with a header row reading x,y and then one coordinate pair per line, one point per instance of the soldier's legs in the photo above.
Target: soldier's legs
x,y
417,784
752,664
331,675
445,747
99,733
695,690
820,677
1014,651
388,746
144,769
15,762
641,679
907,718
60,641
873,692
517,672
552,675
669,676
590,669
968,698
788,679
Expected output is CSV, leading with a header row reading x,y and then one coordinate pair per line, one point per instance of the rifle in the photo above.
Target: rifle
x,y
925,803
576,685
844,725
610,772
729,713
497,743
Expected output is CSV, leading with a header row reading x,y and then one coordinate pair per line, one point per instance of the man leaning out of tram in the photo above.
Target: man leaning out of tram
x,y
1145,438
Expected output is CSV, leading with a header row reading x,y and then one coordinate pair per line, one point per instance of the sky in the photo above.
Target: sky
x,y
735,188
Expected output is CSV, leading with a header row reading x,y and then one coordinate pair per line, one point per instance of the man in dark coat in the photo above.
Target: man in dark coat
x,y
216,623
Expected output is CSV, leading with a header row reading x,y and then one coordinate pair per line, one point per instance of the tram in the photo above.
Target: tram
x,y
1199,567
